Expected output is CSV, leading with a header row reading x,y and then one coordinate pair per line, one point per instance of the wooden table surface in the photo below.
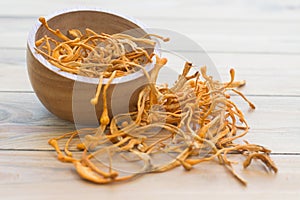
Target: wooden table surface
x,y
260,39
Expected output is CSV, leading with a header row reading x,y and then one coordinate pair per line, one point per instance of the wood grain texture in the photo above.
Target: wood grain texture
x,y
260,39
188,9
45,177
214,35
28,125
266,74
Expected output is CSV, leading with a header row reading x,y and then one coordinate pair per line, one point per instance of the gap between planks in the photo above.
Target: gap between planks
x,y
78,151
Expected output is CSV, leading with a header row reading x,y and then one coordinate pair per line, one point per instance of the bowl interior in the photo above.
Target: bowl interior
x,y
98,21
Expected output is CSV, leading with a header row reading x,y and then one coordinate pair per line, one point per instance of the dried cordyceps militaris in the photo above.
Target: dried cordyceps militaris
x,y
94,55
194,121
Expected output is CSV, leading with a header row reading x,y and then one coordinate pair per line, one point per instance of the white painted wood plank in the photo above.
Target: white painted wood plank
x,y
213,35
38,175
266,74
26,124
188,9
13,70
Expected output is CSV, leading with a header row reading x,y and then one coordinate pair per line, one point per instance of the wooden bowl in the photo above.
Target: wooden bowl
x,y
67,95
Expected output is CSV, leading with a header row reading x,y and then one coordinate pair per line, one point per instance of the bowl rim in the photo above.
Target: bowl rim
x,y
80,78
